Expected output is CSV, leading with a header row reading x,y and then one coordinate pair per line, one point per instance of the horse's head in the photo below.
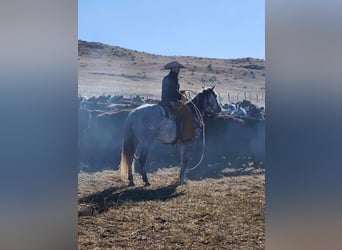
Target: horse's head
x,y
210,104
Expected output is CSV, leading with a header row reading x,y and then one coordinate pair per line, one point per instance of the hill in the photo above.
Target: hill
x,y
106,69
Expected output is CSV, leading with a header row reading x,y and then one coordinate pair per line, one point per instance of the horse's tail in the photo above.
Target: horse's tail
x,y
129,145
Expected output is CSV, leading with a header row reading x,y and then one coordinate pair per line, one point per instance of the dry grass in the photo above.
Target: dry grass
x,y
221,213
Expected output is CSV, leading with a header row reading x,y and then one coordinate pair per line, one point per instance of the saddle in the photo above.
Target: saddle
x,y
185,123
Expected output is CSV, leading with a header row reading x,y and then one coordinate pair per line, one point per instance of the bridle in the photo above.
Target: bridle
x,y
210,105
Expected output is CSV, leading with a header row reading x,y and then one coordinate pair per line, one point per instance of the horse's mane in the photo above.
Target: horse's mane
x,y
198,99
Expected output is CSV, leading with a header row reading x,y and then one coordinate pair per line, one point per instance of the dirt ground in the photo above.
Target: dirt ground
x,y
227,212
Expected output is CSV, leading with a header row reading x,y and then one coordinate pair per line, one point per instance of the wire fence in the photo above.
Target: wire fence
x,y
234,97
257,98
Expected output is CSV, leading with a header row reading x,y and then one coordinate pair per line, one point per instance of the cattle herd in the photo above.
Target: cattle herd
x,y
235,138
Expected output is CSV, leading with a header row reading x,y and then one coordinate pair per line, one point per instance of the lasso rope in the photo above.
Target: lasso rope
x,y
200,118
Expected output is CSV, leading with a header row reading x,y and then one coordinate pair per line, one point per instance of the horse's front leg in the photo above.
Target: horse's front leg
x,y
185,151
182,176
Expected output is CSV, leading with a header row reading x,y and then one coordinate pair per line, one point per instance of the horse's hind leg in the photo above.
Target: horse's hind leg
x,y
142,161
130,179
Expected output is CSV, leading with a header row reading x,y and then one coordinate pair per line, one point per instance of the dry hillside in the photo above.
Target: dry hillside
x,y
105,69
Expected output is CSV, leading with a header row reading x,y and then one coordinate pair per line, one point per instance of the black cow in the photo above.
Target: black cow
x,y
102,140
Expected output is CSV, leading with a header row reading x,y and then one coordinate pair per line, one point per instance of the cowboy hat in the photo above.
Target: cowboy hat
x,y
173,64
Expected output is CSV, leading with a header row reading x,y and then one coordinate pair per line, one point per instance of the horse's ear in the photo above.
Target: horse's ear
x,y
202,87
212,88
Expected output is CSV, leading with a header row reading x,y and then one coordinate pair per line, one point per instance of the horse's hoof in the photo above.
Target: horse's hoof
x,y
183,182
182,179
147,184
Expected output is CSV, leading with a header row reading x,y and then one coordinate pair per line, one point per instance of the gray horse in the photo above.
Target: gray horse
x,y
148,122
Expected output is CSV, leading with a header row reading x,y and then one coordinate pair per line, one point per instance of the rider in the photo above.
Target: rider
x,y
172,98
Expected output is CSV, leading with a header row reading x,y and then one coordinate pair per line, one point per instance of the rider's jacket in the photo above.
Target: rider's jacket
x,y
170,88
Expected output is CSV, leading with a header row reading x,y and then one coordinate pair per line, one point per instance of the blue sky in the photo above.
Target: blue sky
x,y
216,29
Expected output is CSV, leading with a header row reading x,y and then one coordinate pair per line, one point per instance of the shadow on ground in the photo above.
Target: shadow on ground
x,y
114,197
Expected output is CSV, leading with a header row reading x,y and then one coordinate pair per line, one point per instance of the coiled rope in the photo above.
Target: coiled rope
x,y
202,125
200,118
